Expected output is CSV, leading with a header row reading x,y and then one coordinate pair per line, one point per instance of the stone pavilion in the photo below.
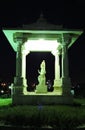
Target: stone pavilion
x,y
45,37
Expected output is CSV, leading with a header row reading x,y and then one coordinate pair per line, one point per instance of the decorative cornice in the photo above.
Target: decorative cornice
x,y
66,39
20,37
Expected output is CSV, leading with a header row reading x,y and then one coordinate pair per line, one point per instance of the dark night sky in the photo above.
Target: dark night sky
x,y
70,14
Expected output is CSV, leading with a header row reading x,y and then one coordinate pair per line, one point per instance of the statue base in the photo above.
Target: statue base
x,y
41,89
41,99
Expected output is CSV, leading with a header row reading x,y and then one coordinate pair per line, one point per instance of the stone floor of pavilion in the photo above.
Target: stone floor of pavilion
x,y
48,93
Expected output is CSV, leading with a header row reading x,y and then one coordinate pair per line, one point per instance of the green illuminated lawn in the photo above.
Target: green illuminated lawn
x,y
5,101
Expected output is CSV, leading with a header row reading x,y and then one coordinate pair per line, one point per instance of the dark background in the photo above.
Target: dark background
x,y
70,14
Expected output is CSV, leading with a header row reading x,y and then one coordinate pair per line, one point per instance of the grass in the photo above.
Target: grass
x,y
59,116
80,100
5,101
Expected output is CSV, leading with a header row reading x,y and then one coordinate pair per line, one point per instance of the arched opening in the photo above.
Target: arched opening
x,y
33,61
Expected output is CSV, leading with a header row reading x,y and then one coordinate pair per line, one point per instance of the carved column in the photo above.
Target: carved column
x,y
57,80
66,84
24,67
65,69
20,78
57,66
25,52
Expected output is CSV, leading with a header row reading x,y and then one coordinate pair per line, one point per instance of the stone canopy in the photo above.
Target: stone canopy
x,y
40,29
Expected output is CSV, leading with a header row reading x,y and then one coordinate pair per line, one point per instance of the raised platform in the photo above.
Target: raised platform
x,y
41,99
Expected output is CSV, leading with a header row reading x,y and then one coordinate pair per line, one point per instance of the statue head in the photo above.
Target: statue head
x,y
42,64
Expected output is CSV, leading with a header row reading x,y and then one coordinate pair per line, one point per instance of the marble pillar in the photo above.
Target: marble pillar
x,y
20,78
57,80
66,83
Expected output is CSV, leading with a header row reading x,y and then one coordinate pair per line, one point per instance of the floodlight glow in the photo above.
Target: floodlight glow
x,y
41,45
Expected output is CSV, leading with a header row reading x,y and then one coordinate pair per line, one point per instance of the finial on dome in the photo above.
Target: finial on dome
x,y
41,14
41,18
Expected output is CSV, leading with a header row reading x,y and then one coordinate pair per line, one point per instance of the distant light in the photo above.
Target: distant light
x,y
3,84
2,91
10,87
72,92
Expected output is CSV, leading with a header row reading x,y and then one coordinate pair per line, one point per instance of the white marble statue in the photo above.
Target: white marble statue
x,y
41,87
42,67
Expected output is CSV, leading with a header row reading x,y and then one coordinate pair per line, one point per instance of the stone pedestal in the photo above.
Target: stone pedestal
x,y
18,90
41,89
18,81
40,99
58,87
19,87
66,87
